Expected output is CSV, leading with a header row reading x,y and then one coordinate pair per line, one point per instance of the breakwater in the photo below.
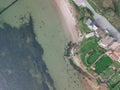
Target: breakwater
x,y
6,8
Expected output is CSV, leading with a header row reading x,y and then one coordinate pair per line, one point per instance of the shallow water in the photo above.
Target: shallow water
x,y
50,35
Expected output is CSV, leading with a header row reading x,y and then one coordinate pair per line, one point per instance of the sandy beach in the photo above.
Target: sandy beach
x,y
67,18
68,14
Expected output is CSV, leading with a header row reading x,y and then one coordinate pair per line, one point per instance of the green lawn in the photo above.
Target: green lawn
x,y
90,50
106,73
116,64
117,87
102,64
84,28
114,80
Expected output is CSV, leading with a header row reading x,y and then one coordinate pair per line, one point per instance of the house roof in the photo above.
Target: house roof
x,y
107,41
91,25
114,45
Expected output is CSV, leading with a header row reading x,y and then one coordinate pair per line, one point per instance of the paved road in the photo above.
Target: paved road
x,y
100,20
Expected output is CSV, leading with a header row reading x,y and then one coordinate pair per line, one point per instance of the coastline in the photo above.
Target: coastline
x,y
67,19
67,14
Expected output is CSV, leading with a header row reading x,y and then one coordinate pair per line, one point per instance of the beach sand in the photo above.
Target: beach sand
x,y
68,14
67,18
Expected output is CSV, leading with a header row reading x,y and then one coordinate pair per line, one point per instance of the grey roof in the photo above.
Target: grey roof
x,y
89,22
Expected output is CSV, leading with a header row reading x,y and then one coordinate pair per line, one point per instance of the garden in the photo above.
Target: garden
x,y
102,64
90,50
114,81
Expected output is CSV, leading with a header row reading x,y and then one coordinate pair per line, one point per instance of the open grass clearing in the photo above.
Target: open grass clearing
x,y
116,64
117,87
106,73
102,64
114,80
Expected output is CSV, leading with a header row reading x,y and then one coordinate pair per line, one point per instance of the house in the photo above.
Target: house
x,y
106,42
101,33
114,54
91,25
114,45
90,35
79,2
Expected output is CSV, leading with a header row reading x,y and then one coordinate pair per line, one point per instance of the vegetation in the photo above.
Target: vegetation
x,y
92,4
71,2
117,87
102,64
83,14
84,28
116,64
90,50
106,73
114,81
117,7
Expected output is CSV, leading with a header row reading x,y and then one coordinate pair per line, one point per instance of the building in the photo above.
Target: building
x,y
90,35
114,45
114,54
100,33
97,30
79,2
91,25
106,42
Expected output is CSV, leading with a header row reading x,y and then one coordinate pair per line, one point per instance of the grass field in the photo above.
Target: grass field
x,y
84,28
90,50
102,64
106,73
116,64
117,87
114,81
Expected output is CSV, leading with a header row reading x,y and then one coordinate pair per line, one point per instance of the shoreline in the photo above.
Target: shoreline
x,y
67,15
67,19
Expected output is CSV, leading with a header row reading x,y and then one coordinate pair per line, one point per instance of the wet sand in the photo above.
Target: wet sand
x,y
67,18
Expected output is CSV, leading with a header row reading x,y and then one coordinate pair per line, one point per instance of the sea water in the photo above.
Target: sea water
x,y
50,35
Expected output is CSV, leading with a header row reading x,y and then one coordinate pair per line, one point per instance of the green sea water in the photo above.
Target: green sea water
x,y
49,33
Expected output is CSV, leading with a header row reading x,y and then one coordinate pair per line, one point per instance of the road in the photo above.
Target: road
x,y
100,20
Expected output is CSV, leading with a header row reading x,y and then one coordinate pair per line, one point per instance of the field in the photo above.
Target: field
x,y
106,73
90,50
114,81
102,64
116,64
110,9
117,87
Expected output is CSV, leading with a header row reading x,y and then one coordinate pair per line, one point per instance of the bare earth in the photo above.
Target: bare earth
x,y
67,14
